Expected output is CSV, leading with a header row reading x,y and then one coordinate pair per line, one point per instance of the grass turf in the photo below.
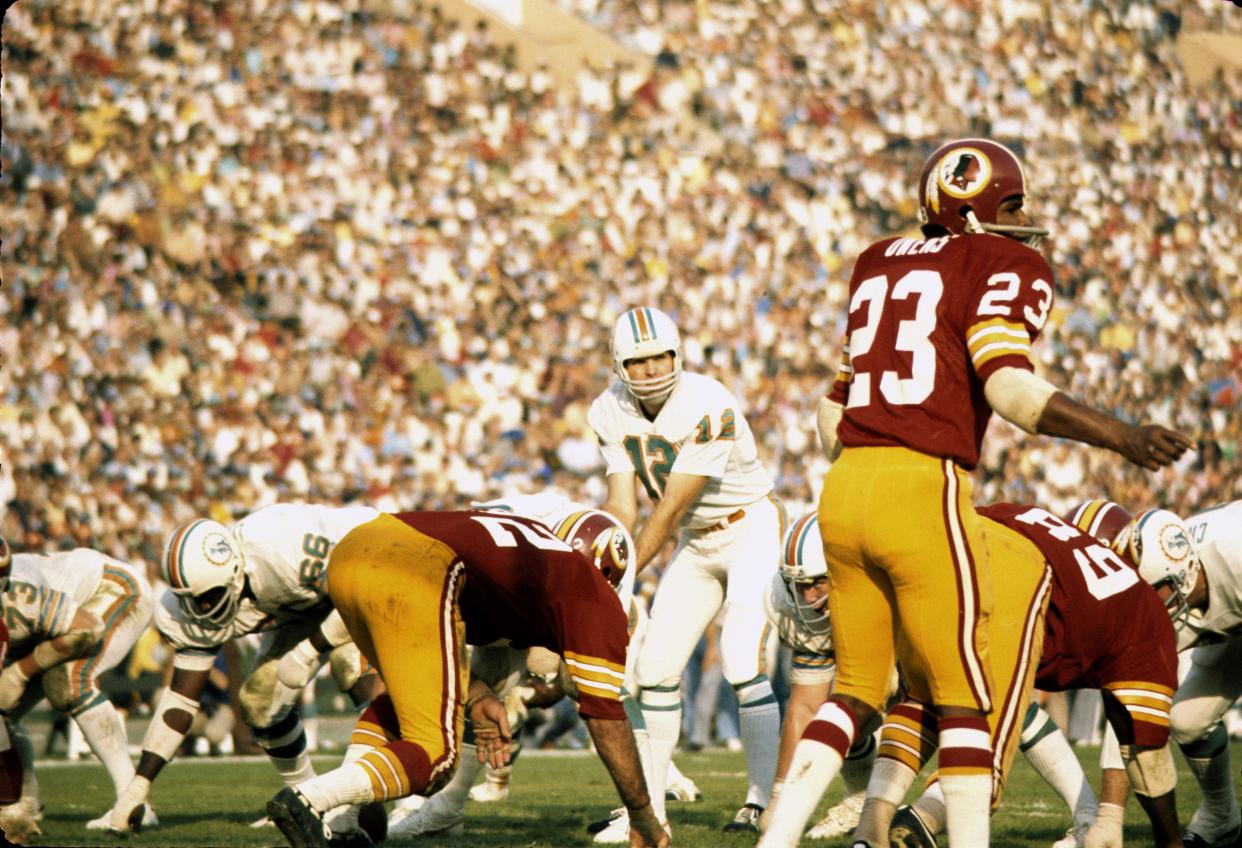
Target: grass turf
x,y
211,802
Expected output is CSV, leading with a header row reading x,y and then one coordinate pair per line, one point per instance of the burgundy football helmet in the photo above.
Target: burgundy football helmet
x,y
1105,520
963,185
602,539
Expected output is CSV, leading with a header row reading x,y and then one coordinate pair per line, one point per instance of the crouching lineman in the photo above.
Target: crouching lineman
x,y
796,606
72,616
413,589
16,823
1104,629
266,572
1196,567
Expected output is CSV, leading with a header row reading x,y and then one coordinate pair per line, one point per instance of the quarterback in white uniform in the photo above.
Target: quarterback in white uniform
x,y
1213,633
263,574
71,617
685,438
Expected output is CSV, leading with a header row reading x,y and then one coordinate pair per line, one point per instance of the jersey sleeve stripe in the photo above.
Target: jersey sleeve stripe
x,y
608,693
812,661
996,328
1144,685
996,351
594,672
573,658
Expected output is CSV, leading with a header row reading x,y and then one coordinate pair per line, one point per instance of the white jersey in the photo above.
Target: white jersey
x,y
700,430
1217,534
285,548
550,509
45,591
783,615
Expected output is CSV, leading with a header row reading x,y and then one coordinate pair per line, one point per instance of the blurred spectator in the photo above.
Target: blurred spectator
x,y
273,249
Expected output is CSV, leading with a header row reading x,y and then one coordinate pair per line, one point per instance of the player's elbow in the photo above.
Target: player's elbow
x,y
828,414
1018,396
87,630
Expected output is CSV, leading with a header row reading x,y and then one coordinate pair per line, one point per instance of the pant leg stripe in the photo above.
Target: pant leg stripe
x,y
968,589
1014,700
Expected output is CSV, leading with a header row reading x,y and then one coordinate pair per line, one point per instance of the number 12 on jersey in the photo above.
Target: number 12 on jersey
x,y
652,458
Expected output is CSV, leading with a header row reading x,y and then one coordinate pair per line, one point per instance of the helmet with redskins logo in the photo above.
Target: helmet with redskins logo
x,y
6,563
602,539
1158,544
203,565
964,183
1103,519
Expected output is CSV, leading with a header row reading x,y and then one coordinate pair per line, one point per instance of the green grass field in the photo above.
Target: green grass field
x,y
210,802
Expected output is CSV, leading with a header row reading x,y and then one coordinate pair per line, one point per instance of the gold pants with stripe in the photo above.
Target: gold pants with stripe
x,y
396,590
1015,642
906,558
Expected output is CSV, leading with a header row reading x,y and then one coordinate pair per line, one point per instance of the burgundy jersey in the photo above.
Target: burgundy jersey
x,y
525,585
1105,628
929,321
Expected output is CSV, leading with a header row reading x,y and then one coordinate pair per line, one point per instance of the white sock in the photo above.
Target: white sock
x,y
348,784
930,807
1208,760
968,806
759,718
21,743
1053,758
856,772
889,782
105,733
815,763
661,707
455,793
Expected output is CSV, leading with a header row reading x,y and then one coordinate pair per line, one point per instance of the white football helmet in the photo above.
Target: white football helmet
x,y
802,561
203,564
602,539
1157,542
643,332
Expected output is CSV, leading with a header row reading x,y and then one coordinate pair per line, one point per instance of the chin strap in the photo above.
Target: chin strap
x,y
1031,236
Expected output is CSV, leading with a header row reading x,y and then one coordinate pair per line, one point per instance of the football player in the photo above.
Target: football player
x,y
17,823
938,336
71,617
1196,565
1104,629
266,573
683,436
504,668
413,589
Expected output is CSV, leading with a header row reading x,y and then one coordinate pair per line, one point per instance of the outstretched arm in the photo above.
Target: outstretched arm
x,y
614,739
85,630
680,492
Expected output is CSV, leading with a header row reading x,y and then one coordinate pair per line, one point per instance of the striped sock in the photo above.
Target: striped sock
x,y
966,779
759,719
817,759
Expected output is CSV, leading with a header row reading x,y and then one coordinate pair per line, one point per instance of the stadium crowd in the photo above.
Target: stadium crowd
x,y
278,250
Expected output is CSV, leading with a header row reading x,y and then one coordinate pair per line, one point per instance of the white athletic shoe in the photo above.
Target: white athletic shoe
x,y
149,819
263,822
841,819
618,831
682,788
489,791
434,816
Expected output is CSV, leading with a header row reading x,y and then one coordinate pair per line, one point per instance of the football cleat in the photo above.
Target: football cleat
x,y
301,825
149,819
617,832
909,831
434,816
841,819
746,820
682,788
597,826
489,791
1230,839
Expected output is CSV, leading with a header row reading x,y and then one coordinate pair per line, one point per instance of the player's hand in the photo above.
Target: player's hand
x,y
298,667
646,830
492,736
12,685
18,825
1154,447
1105,831
128,809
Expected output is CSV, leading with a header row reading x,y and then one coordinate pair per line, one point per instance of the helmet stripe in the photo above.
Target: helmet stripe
x,y
1085,517
632,315
176,563
567,526
798,537
649,321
